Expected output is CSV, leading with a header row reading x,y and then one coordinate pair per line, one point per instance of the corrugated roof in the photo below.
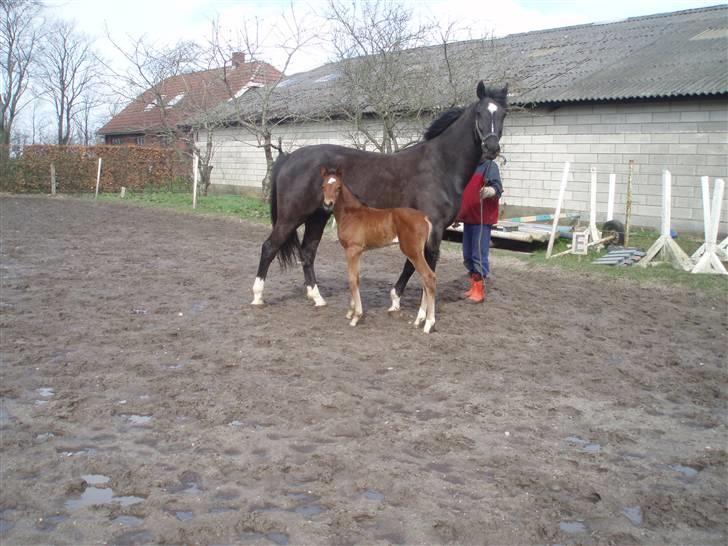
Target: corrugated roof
x,y
664,55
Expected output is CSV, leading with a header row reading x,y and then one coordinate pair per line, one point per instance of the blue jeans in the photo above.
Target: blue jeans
x,y
476,248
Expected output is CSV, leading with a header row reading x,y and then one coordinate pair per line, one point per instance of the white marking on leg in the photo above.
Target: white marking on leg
x,y
258,291
358,309
313,294
395,301
350,313
422,313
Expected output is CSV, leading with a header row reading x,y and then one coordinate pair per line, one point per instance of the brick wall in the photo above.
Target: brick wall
x,y
690,138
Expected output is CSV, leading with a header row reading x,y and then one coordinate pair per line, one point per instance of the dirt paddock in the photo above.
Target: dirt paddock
x,y
145,401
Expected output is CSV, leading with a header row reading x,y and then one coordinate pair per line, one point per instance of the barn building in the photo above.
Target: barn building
x,y
652,90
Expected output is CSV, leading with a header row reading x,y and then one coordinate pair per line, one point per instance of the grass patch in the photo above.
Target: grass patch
x,y
239,206
661,274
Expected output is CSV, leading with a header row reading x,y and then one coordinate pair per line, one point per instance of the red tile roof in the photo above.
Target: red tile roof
x,y
187,95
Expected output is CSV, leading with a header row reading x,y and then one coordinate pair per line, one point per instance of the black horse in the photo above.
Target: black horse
x,y
429,176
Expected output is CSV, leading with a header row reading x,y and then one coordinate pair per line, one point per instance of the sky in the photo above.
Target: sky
x,y
168,21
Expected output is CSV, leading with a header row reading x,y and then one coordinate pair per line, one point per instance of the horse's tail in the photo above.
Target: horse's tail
x,y
291,248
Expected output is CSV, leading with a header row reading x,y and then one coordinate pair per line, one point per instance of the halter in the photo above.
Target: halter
x,y
480,132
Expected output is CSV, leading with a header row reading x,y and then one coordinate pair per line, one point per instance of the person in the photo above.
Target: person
x,y
478,213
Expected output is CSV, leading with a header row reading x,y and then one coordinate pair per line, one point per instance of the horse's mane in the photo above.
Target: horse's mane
x,y
446,119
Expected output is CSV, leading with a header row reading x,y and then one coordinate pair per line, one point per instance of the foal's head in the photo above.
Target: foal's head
x,y
331,186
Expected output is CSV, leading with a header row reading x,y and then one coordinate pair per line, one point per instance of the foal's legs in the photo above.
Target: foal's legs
x,y
280,234
432,252
353,255
311,238
427,305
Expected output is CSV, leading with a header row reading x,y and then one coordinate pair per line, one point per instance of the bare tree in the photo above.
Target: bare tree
x,y
69,68
374,43
19,35
254,110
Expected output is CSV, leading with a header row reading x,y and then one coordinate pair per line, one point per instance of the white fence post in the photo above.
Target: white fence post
x,y
664,246
195,162
594,234
710,262
98,179
610,199
557,212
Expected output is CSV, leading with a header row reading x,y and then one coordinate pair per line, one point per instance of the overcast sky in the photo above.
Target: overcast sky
x,y
167,21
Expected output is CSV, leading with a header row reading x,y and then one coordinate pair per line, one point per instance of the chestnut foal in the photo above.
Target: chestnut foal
x,y
362,228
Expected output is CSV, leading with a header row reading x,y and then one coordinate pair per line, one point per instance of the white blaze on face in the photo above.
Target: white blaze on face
x,y
331,180
492,108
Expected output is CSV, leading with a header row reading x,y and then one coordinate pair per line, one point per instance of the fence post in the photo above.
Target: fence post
x,y
53,179
195,162
610,198
98,179
557,212
628,204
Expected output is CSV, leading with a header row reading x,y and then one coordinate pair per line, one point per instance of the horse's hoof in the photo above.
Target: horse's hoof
x,y
429,328
257,303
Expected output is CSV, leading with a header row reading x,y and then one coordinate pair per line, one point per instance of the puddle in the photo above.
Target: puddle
x,y
44,436
235,423
94,496
634,515
688,473
278,538
198,306
5,526
133,537
138,420
184,515
309,510
46,392
586,446
176,366
49,523
573,527
40,403
370,494
74,452
128,521
304,448
95,479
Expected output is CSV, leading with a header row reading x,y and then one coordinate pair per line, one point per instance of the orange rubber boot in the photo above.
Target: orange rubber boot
x,y
478,294
469,292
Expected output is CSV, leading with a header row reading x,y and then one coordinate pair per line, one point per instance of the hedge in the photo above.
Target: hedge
x,y
134,167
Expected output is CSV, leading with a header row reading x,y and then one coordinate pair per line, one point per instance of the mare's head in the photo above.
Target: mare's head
x,y
331,186
490,113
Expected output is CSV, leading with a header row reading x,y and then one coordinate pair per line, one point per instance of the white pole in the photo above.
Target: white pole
x,y
557,213
98,179
610,199
666,202
194,183
593,232
705,183
710,262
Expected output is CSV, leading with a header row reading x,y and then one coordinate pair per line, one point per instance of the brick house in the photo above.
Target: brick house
x,y
159,116
651,89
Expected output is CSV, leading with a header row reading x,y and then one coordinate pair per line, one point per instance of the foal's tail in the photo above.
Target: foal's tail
x,y
291,247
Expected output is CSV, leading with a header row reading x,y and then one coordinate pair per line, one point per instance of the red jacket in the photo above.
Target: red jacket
x,y
470,205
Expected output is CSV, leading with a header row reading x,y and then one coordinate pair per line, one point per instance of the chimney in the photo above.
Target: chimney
x,y
238,59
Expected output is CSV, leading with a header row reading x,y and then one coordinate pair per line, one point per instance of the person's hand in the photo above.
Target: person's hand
x,y
487,192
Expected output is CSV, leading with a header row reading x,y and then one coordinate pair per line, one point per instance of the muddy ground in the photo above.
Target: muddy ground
x,y
145,401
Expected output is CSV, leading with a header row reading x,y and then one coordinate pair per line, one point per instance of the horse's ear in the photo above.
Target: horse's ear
x,y
322,170
481,89
503,95
338,172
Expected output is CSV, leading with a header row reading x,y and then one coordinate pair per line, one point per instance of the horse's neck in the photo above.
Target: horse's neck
x,y
346,200
460,148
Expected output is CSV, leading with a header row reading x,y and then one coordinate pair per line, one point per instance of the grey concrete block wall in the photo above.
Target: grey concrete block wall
x,y
690,138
